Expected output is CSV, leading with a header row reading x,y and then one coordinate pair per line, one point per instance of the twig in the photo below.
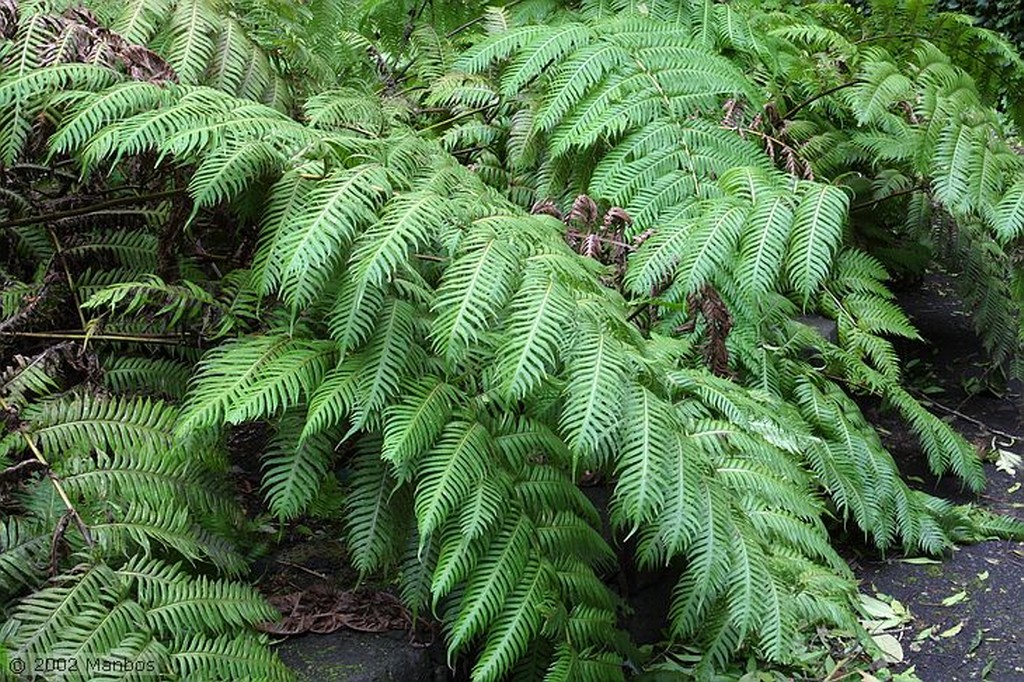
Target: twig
x,y
972,420
67,274
81,336
472,22
301,568
639,310
94,208
38,454
414,14
891,36
14,470
453,119
839,669
27,310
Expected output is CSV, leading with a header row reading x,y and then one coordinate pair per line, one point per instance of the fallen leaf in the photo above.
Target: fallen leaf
x,y
920,561
975,641
955,598
874,625
983,575
876,608
1007,462
953,631
924,634
890,646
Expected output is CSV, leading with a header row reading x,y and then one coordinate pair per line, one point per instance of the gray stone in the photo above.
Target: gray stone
x,y
349,656
824,326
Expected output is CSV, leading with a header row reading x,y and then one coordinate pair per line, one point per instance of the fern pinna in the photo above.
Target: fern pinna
x,y
97,570
406,317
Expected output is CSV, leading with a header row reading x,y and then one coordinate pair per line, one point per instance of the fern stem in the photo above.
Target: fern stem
x,y
59,252
473,22
874,202
977,422
639,311
807,102
414,14
451,119
95,208
902,36
891,36
82,336
38,454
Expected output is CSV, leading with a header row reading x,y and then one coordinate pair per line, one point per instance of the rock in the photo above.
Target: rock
x,y
824,326
350,656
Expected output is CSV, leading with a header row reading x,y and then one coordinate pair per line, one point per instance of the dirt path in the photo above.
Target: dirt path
x,y
967,613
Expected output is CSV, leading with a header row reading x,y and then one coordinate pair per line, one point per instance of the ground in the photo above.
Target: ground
x,y
965,613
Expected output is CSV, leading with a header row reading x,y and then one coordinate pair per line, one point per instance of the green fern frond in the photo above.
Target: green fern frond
x,y
390,354
407,221
535,328
26,379
547,47
294,467
137,528
597,371
817,229
254,376
710,243
304,242
576,76
23,551
517,624
585,666
647,427
882,86
91,114
23,96
44,616
175,602
157,375
763,243
475,288
448,473
1008,218
376,520
117,424
492,582
226,657
226,173
412,425
191,45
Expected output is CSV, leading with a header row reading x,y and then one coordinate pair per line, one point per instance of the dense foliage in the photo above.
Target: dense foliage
x,y
1005,16
466,255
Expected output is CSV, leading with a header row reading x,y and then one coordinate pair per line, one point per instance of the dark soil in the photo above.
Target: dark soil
x,y
975,635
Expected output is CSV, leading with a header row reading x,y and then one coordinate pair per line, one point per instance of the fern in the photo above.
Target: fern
x,y
139,498
473,364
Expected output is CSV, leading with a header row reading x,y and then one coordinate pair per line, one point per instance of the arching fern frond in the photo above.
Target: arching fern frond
x,y
255,376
